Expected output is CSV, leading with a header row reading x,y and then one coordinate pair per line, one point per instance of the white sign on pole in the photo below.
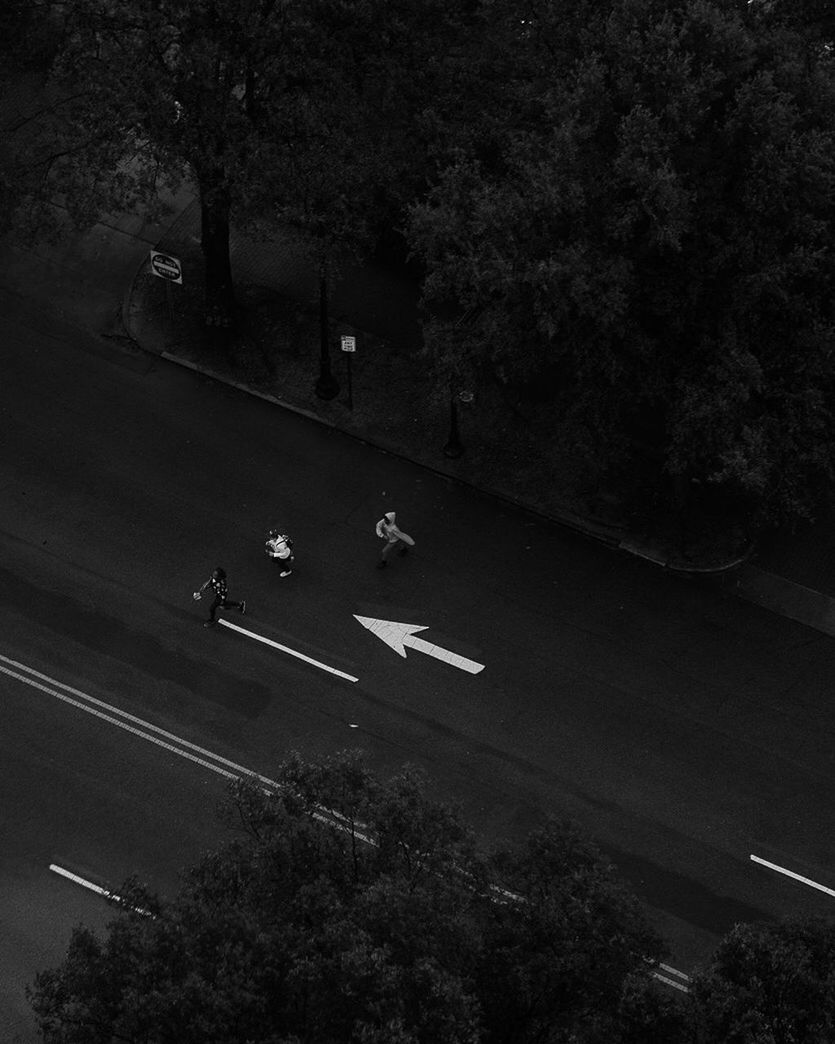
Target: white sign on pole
x,y
166,267
349,344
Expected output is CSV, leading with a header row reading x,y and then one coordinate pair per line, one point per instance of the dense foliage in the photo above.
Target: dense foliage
x,y
378,920
770,984
624,209
639,233
348,909
261,105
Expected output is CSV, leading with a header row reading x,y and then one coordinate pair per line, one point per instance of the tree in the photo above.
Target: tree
x,y
352,909
243,98
556,963
814,18
146,95
355,158
640,234
30,39
769,984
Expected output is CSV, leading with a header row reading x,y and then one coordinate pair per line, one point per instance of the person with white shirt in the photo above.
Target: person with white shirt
x,y
279,547
388,530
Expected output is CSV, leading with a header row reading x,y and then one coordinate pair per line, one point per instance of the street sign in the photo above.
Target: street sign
x,y
166,267
349,344
400,636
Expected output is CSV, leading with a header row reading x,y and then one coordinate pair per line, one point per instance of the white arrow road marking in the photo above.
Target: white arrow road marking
x,y
400,635
289,651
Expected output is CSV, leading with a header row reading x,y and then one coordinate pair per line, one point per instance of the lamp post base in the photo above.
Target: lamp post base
x,y
453,450
327,386
454,446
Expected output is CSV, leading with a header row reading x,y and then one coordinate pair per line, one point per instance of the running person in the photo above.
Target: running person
x,y
280,547
217,582
388,530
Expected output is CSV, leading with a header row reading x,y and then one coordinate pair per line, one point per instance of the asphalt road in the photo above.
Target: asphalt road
x,y
685,730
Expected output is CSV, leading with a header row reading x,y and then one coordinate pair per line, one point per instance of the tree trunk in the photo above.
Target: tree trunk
x,y
215,206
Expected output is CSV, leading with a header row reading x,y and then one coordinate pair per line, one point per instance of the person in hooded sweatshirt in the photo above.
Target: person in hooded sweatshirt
x,y
388,530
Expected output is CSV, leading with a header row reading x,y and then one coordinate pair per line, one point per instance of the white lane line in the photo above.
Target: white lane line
x,y
92,887
130,723
79,880
671,982
112,895
791,873
329,816
674,971
678,981
290,652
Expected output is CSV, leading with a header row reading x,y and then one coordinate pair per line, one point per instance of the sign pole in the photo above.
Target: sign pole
x,y
349,346
169,268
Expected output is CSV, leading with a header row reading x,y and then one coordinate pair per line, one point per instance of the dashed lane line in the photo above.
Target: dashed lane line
x,y
90,886
288,650
679,982
790,873
780,595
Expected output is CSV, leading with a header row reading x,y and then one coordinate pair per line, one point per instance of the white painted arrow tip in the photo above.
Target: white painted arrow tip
x,y
390,631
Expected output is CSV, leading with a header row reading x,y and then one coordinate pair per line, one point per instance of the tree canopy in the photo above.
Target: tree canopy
x,y
770,984
639,231
345,908
624,209
351,909
266,107
151,94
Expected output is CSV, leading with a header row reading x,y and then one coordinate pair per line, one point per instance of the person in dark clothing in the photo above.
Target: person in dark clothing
x,y
217,582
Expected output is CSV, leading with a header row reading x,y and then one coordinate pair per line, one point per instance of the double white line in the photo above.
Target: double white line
x,y
145,730
151,733
672,977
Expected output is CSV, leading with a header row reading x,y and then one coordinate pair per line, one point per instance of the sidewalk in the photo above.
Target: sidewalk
x,y
393,407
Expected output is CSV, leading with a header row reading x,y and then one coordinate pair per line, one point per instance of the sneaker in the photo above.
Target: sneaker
x,y
286,572
243,607
210,623
403,551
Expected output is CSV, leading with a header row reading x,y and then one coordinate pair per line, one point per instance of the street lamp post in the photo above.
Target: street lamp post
x,y
327,386
454,446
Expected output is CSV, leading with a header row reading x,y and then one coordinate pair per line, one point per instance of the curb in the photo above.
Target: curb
x,y
584,526
575,522
672,566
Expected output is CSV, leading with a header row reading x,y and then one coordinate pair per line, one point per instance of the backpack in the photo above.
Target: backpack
x,y
281,538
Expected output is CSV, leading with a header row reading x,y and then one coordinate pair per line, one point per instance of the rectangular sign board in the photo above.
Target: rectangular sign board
x,y
166,267
349,344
